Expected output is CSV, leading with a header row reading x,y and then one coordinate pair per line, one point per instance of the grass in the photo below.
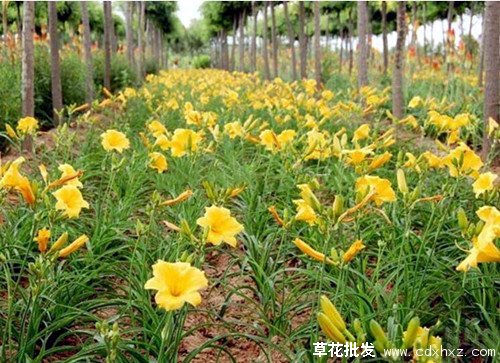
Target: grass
x,y
92,306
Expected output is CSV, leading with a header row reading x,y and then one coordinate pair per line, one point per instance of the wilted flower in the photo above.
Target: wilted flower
x,y
42,239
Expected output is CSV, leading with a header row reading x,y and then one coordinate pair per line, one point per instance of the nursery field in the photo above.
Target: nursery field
x,y
214,216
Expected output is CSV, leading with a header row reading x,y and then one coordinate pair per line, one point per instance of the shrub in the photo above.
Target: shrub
x,y
10,95
122,75
151,66
201,61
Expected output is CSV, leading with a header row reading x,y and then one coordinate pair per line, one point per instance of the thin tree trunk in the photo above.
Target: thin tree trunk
x,y
291,39
492,69
253,44
482,51
28,66
28,61
449,44
274,40
467,49
55,69
140,39
317,44
233,46
19,20
107,44
341,52
398,72
87,50
224,50
302,40
384,37
129,33
351,52
265,53
242,42
363,48
5,25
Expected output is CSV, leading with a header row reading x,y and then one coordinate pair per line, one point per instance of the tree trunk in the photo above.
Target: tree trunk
x,y
492,69
363,48
302,40
224,50
19,21
242,42
351,31
87,50
233,45
291,39
5,25
129,33
140,39
384,36
397,77
265,53
341,52
55,69
253,45
28,61
107,44
317,44
482,50
28,66
274,40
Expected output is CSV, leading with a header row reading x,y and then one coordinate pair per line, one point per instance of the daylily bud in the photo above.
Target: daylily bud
x,y
332,313
410,334
330,329
74,246
463,222
479,227
403,187
338,205
378,333
61,241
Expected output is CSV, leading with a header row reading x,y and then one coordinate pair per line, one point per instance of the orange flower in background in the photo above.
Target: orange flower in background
x,y
42,239
12,179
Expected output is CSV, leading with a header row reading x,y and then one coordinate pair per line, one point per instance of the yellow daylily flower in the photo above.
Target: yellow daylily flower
x,y
70,200
184,141
12,179
176,284
381,189
114,140
27,125
485,182
221,226
158,161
